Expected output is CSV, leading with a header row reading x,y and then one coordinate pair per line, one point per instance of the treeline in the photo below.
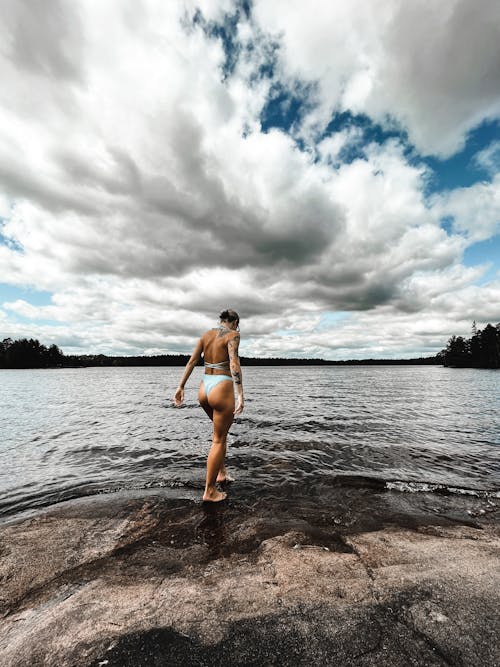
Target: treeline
x,y
481,350
103,360
28,353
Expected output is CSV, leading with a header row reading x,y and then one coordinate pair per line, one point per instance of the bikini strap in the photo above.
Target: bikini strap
x,y
220,365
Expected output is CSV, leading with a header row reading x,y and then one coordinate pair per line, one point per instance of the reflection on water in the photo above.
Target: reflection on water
x,y
71,432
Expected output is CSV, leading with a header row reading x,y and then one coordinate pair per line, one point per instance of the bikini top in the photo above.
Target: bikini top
x,y
220,365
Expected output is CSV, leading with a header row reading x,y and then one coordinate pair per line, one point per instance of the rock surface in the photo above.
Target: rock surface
x,y
157,581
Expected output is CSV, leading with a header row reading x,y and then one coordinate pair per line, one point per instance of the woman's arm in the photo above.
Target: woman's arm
x,y
179,394
234,365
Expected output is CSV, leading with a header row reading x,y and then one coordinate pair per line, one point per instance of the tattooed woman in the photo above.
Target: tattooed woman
x,y
219,347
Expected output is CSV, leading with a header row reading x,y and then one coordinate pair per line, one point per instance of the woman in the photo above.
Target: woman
x,y
219,347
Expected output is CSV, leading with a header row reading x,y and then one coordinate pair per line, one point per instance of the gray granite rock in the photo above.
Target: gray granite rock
x,y
151,582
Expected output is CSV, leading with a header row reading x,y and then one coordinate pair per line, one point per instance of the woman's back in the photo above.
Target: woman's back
x,y
215,345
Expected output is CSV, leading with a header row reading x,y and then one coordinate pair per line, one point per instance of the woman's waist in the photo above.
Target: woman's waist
x,y
218,371
217,365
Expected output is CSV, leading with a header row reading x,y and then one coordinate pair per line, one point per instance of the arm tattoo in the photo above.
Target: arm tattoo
x,y
232,347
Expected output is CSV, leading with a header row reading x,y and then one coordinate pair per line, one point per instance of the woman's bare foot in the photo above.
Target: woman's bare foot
x,y
214,496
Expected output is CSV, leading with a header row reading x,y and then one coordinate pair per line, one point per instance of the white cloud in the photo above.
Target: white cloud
x,y
475,210
433,67
143,194
22,307
489,158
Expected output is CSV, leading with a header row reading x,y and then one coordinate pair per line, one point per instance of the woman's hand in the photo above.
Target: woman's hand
x,y
239,406
179,396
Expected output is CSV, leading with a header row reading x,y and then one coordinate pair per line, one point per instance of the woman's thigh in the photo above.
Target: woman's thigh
x,y
221,400
222,423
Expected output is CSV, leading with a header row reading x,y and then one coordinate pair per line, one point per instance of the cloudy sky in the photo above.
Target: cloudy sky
x,y
329,169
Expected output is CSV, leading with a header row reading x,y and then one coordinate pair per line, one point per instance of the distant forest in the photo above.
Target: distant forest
x,y
30,353
481,350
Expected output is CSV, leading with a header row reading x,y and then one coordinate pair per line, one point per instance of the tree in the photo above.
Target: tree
x,y
482,350
4,346
28,353
490,347
475,346
457,352
54,356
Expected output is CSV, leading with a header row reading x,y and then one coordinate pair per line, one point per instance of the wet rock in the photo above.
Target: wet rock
x,y
151,582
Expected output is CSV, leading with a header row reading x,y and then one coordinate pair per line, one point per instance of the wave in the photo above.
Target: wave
x,y
28,504
427,487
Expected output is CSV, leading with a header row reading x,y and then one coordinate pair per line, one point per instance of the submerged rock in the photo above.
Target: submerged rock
x,y
154,581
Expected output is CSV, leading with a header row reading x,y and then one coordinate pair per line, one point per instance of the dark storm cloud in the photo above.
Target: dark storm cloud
x,y
122,176
157,227
363,296
21,183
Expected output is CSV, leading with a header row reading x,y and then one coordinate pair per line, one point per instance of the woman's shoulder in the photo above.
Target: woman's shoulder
x,y
220,332
208,332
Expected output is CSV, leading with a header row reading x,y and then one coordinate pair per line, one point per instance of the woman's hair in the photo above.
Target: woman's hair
x,y
229,316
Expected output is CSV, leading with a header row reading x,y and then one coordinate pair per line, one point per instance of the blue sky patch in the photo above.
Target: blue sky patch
x,y
484,252
370,133
226,32
6,241
462,170
447,224
35,297
285,106
459,170
330,318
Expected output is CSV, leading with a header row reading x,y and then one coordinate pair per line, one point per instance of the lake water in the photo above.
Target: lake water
x,y
66,433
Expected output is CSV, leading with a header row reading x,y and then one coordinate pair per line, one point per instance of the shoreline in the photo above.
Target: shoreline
x,y
416,495
158,578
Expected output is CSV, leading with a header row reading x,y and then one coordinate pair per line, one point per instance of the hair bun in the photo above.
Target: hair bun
x,y
229,315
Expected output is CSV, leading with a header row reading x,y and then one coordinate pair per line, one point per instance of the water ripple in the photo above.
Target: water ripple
x,y
72,432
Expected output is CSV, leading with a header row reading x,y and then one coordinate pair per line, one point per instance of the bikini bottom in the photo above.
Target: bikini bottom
x,y
211,381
